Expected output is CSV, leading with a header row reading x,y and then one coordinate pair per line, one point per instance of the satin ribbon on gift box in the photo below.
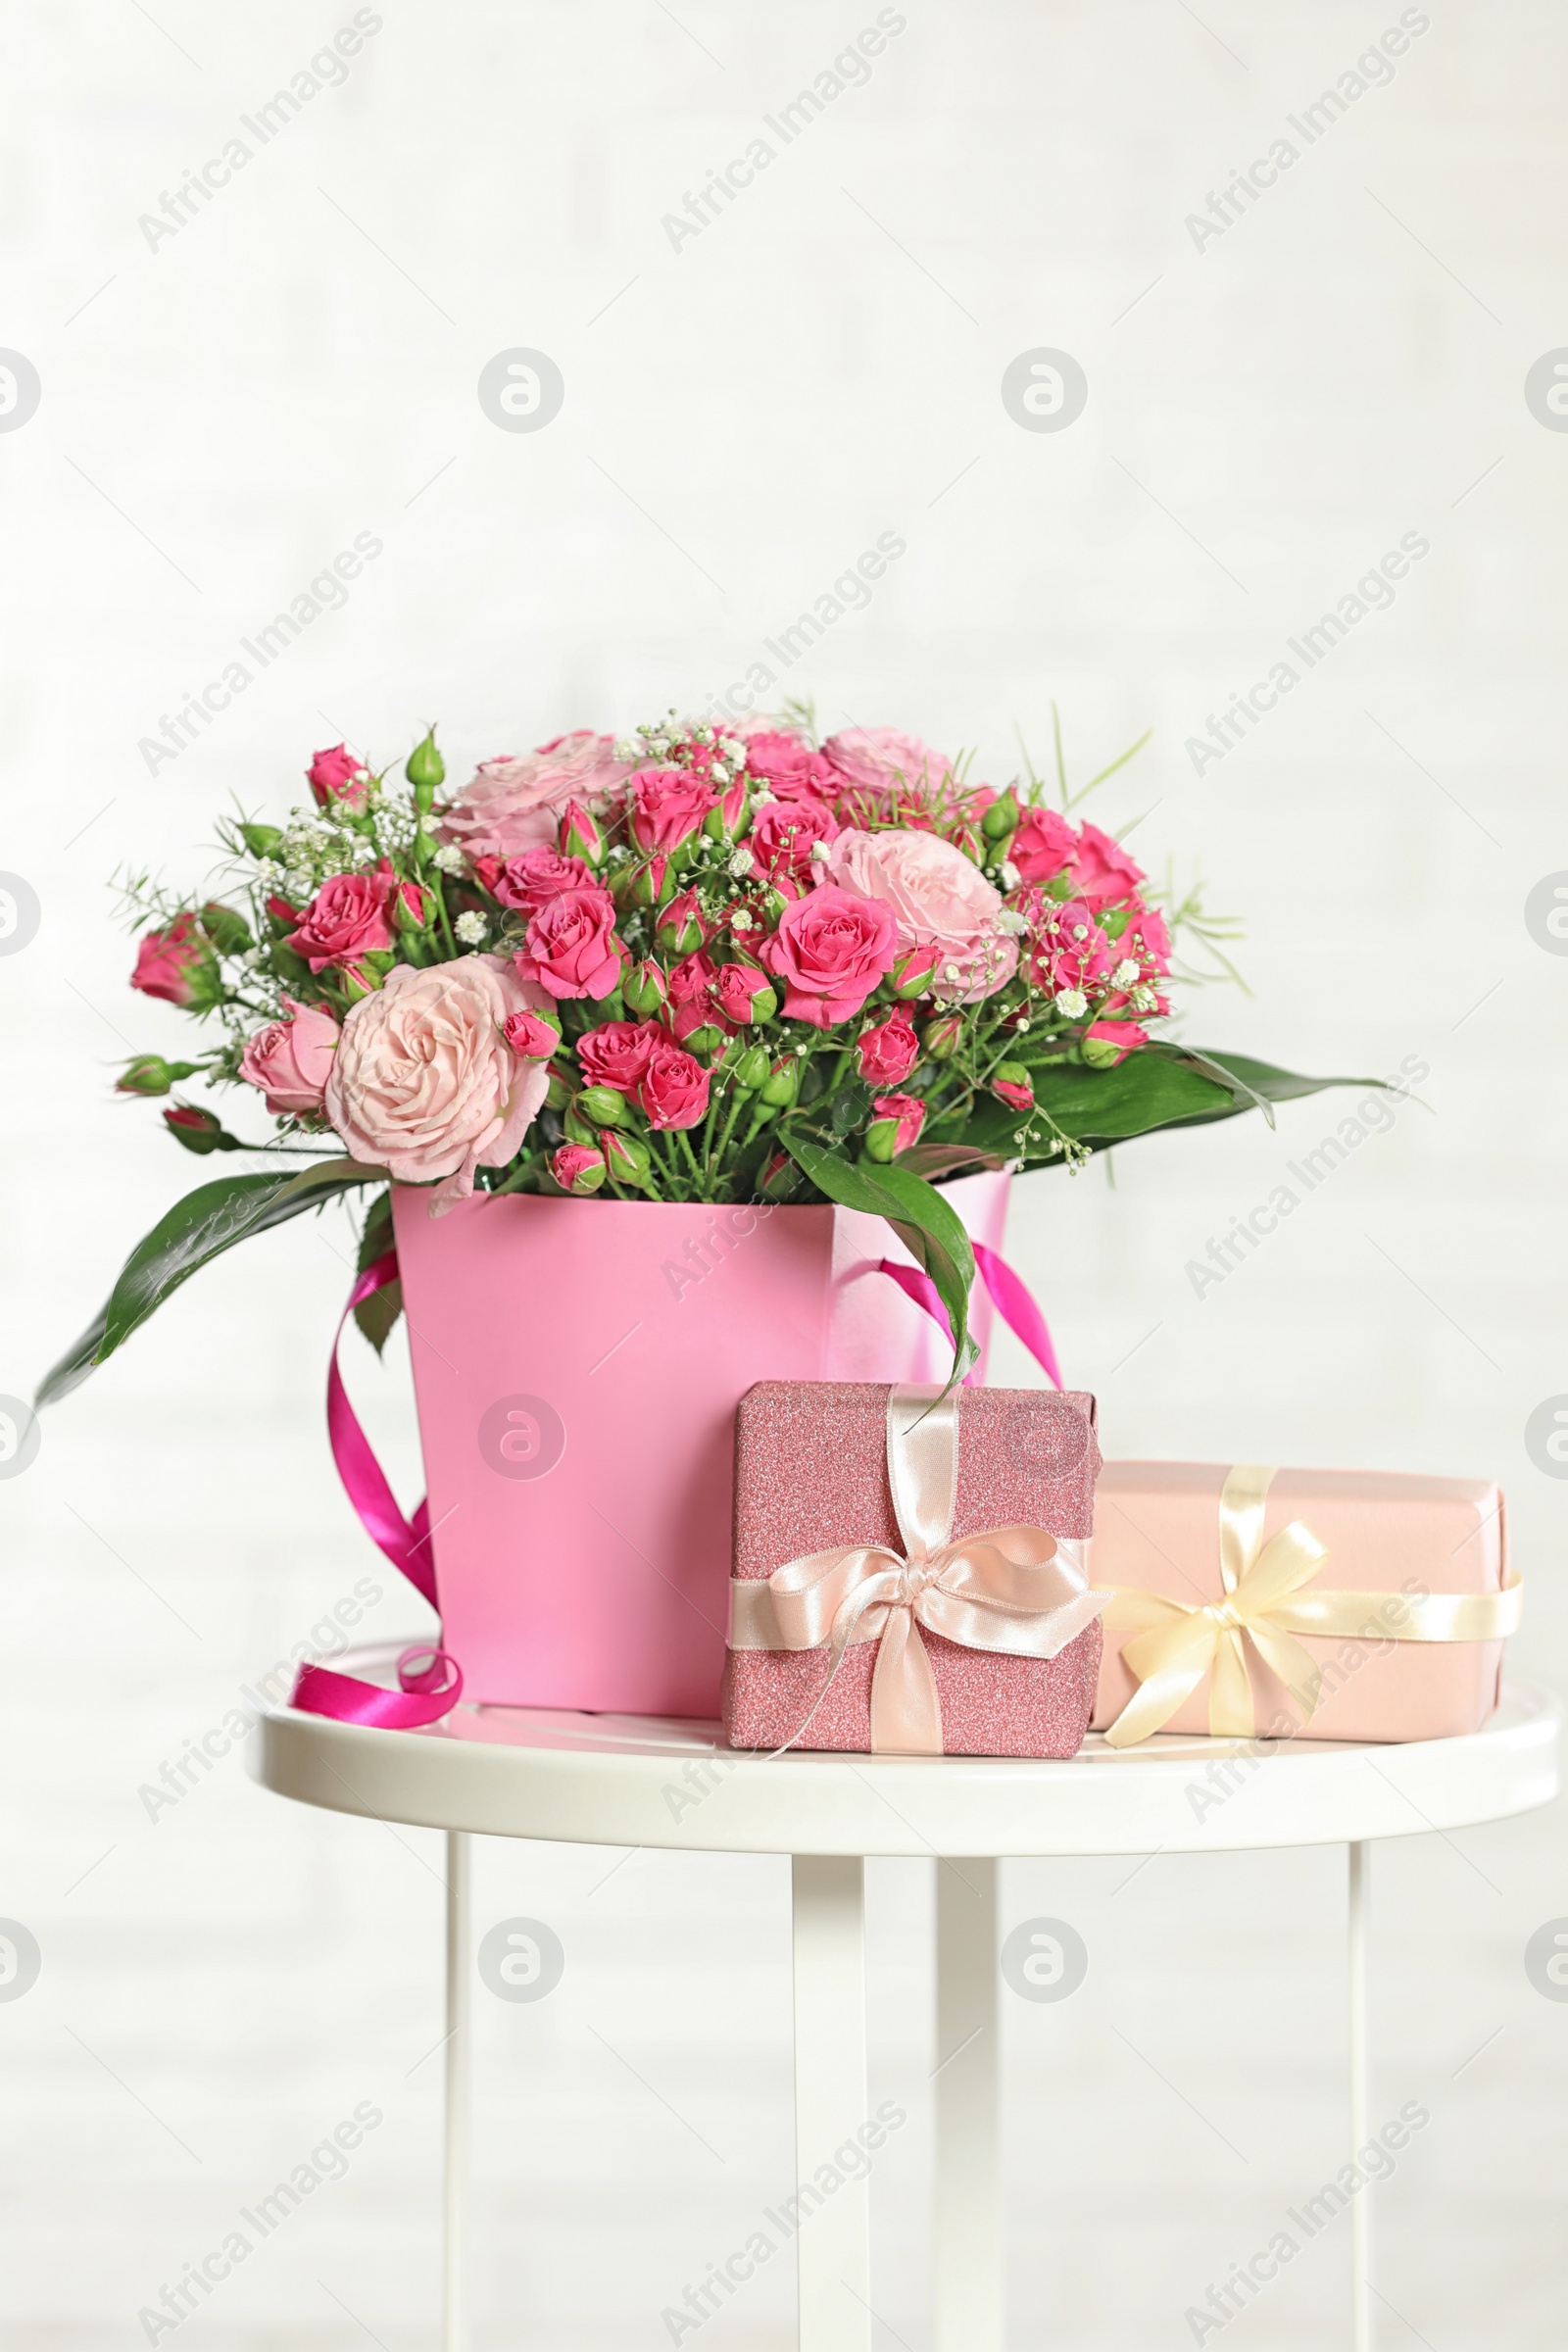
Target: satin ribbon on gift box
x,y
1010,1590
1263,1605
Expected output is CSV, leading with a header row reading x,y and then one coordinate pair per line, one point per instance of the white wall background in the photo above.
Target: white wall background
x,y
222,414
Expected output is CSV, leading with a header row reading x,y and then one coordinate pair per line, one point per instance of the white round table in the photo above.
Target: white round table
x,y
604,1779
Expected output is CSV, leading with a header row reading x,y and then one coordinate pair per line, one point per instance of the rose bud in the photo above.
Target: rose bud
x,y
286,918
561,1085
728,822
1011,1083
198,1130
600,1106
896,1125
888,1052
176,963
627,1157
645,990
425,769
652,884
530,1036
680,929
782,1084
941,1038
261,841
578,1168
750,1068
411,907
743,994
336,776
1106,1043
151,1075
1002,818
912,974
705,1041
582,835
779,1178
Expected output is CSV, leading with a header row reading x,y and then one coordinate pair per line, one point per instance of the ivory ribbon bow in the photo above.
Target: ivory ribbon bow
x,y
1176,1643
1011,1590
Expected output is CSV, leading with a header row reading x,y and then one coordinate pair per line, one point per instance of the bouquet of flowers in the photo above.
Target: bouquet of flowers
x,y
700,963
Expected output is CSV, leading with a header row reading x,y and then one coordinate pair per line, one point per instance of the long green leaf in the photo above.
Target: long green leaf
x,y
196,1230
1167,1086
927,1224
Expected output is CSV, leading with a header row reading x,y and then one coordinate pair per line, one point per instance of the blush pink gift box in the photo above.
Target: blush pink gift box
x,y
811,1472
1390,1536
576,1366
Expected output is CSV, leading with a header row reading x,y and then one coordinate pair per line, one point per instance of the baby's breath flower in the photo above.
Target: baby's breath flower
x,y
1011,920
1010,876
448,857
1071,1003
471,928
1126,972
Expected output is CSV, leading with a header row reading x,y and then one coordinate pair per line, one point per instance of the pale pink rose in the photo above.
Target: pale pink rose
x,y
423,1081
291,1061
940,899
882,764
516,805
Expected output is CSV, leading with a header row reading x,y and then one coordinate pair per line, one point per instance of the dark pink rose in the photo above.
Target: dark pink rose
x,y
337,776
345,918
888,1052
571,949
1147,938
1102,872
530,1038
1069,952
171,964
830,949
290,1060
691,979
1042,845
527,882
782,835
1014,1092
667,807
673,1090
788,766
1106,1043
742,995
896,1124
617,1053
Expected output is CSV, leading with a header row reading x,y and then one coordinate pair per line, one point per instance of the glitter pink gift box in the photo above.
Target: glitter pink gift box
x,y
811,1473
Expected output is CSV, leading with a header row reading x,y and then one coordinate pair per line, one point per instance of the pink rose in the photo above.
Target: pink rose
x,y
617,1053
885,767
578,1168
830,949
668,805
1106,1043
788,766
530,1036
1041,844
742,995
939,899
290,1060
171,964
1147,938
526,882
896,1124
345,918
783,833
514,804
1102,872
1068,948
1017,1093
674,1089
888,1052
571,947
423,1081
337,776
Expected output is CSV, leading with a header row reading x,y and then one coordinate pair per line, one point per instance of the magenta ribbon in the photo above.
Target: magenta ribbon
x,y
1013,1301
427,1691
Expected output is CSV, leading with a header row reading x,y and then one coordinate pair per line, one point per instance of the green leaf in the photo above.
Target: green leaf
x,y
376,1316
928,1226
1160,1086
196,1230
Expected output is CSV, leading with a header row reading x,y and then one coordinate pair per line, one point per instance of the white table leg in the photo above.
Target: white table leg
x,y
969,2301
1360,2215
455,2177
833,2245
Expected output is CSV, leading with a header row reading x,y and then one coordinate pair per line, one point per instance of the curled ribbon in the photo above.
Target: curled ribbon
x,y
1264,1607
1010,1590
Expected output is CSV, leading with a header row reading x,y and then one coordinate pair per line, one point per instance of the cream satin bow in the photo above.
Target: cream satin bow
x,y
1176,1643
1010,1590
